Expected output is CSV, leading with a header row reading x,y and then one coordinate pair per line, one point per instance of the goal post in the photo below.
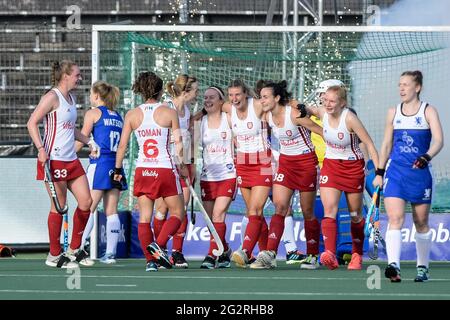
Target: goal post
x,y
368,59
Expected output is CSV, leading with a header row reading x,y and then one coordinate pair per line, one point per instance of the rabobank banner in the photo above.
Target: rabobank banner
x,y
197,237
440,247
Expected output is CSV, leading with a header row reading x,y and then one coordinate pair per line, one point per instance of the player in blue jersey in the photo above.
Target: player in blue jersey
x,y
105,125
405,171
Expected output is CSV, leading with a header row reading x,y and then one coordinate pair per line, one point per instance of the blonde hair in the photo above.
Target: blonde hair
x,y
59,69
341,92
108,93
183,83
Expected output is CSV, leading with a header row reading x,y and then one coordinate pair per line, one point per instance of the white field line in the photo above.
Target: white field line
x,y
257,278
115,285
239,293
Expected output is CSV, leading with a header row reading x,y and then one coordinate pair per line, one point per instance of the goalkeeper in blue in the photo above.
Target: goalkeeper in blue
x,y
105,124
405,171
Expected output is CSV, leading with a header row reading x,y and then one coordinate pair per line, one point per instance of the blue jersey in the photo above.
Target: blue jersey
x,y
106,132
412,136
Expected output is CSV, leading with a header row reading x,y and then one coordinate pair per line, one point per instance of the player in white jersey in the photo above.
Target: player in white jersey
x,y
253,165
293,255
183,91
218,176
105,124
342,171
297,170
156,174
410,128
58,109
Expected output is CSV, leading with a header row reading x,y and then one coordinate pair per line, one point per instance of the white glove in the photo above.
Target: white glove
x,y
95,149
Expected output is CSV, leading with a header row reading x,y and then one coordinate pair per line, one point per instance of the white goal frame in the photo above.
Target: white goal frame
x,y
96,29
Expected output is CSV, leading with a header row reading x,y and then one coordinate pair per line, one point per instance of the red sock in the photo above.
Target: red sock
x,y
251,234
80,218
178,237
54,232
145,236
170,227
221,229
263,234
275,232
329,232
157,226
312,234
357,230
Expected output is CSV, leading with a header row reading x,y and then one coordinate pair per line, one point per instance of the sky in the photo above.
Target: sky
x,y
375,75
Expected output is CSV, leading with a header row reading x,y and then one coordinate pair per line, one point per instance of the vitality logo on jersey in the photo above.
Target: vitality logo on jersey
x,y
150,173
68,125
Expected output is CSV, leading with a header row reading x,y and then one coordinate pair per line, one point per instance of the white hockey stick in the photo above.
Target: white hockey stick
x,y
217,252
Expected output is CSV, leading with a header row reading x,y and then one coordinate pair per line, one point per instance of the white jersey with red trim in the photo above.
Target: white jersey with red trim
x,y
217,143
184,129
153,141
59,134
293,139
341,144
248,132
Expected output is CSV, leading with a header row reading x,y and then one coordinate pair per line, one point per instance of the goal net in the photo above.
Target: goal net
x,y
368,60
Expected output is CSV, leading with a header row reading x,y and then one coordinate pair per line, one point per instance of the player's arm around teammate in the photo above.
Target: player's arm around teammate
x,y
297,168
342,171
253,165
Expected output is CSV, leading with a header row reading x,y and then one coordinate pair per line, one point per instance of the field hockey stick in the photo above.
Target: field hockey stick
x,y
370,215
373,254
192,210
378,238
217,252
62,211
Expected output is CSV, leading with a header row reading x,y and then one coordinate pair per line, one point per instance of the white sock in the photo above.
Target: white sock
x,y
87,230
394,246
288,237
244,224
423,247
112,233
